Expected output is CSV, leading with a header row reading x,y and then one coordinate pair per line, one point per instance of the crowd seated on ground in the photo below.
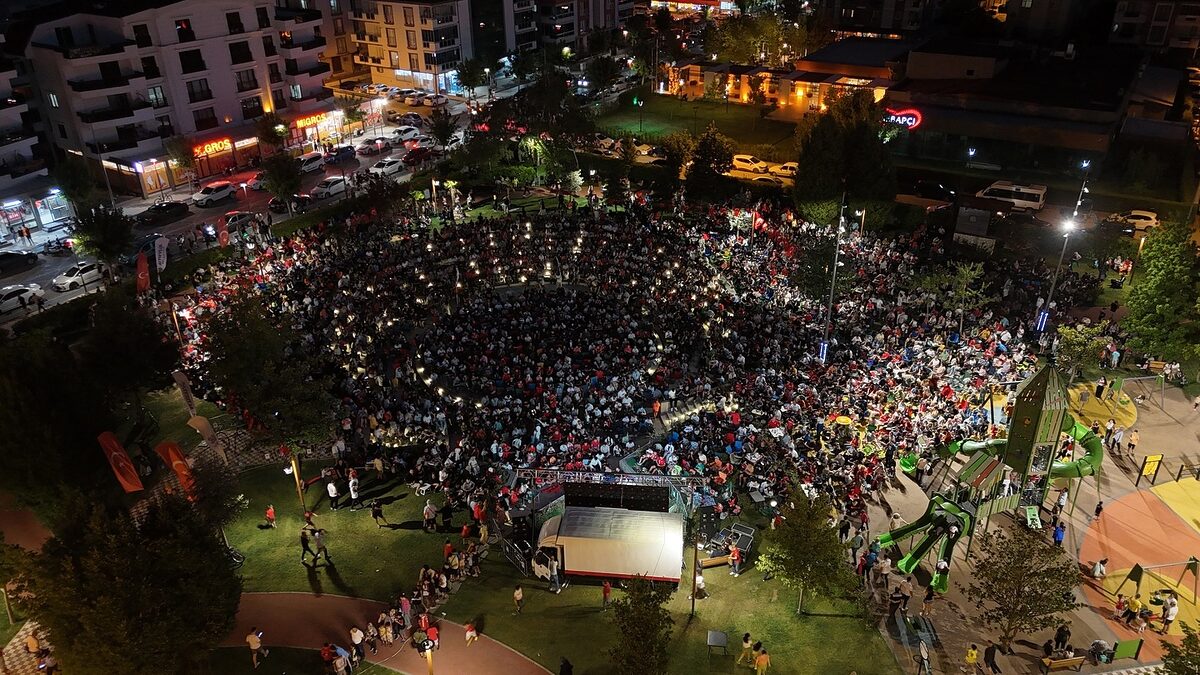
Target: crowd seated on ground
x,y
566,339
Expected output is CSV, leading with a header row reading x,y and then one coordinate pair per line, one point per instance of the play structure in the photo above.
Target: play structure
x,y
977,479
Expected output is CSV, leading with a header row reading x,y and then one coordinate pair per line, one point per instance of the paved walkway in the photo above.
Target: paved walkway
x,y
307,621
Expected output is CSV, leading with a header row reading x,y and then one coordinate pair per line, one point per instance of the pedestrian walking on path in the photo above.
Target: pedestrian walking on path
x,y
989,657
306,546
762,662
332,490
377,513
254,641
518,599
747,650
318,538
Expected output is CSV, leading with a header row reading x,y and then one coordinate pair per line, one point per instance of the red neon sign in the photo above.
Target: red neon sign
x,y
909,118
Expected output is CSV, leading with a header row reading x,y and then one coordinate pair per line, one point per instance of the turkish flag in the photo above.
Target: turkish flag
x,y
119,460
222,233
143,273
174,458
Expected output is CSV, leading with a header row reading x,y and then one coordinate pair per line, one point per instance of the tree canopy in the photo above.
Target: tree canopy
x,y
712,157
804,552
104,232
844,149
643,629
1079,346
1183,658
1164,314
281,176
73,177
471,75
271,130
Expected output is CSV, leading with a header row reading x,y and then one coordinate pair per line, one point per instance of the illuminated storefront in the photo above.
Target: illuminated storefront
x,y
314,130
36,209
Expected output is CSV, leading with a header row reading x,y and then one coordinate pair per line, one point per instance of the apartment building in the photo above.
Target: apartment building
x,y
27,198
1157,24
878,18
116,79
572,23
412,44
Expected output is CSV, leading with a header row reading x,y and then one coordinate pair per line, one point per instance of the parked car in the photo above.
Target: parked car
x,y
927,189
300,203
237,219
10,296
1022,218
341,153
79,274
1141,221
786,170
749,163
435,101
406,132
418,155
373,146
415,98
259,182
142,245
213,192
773,180
16,259
160,214
387,167
334,185
420,141
401,93
412,119
310,162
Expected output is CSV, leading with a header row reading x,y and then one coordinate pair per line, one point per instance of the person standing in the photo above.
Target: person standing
x,y
1062,636
762,662
605,595
1170,610
354,503
735,560
318,538
356,642
1099,509
747,650
927,602
1060,532
254,642
989,657
906,592
555,582
432,635
971,660
271,516
1134,439
856,543
377,512
429,513
518,599
332,490
565,667
306,546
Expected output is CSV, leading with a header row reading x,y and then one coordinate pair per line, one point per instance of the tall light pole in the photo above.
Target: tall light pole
x,y
1083,189
1042,318
837,247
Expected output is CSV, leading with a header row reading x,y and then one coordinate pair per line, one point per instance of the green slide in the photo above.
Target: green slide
x,y
941,579
935,524
1087,465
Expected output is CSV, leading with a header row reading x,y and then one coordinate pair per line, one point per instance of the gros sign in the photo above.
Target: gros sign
x,y
311,120
213,147
909,118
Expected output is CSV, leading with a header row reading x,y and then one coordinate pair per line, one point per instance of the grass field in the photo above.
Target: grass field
x,y
378,563
663,115
8,630
281,661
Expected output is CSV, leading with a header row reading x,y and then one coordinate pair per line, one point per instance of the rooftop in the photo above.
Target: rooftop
x,y
960,47
872,52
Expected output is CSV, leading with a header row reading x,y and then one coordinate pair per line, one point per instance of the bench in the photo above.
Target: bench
x,y
1032,520
1054,665
1156,367
715,561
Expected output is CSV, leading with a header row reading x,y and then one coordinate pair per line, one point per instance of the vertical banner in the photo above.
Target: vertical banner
x,y
143,273
160,253
222,233
185,391
118,459
174,458
201,424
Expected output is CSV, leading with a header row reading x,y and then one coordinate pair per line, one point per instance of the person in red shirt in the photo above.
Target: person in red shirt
x,y
447,549
606,590
271,515
432,634
735,560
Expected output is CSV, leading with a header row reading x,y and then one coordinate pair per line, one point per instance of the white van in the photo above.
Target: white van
x,y
1025,197
313,161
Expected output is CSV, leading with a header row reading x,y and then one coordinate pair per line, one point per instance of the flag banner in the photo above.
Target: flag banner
x,y
222,233
174,458
143,273
118,459
201,424
160,253
185,391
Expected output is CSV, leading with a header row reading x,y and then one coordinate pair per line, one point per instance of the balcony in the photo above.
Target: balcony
x,y
521,5
365,16
526,27
291,45
315,95
143,141
368,38
317,69
26,167
444,19
438,46
111,114
14,136
12,101
297,16
365,60
101,84
89,51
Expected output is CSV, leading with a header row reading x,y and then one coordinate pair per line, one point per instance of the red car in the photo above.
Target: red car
x,y
419,155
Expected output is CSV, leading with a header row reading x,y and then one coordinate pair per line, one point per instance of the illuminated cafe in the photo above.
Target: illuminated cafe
x,y
215,151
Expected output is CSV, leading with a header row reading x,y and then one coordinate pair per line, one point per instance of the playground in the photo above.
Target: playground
x,y
1042,441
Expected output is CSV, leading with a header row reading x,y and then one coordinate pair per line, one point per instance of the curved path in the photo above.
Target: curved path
x,y
308,621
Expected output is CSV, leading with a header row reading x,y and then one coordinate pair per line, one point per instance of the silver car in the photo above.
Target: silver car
x,y
79,274
10,296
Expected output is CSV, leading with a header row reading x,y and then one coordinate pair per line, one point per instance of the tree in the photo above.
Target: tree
x,y
643,629
602,72
1164,317
170,573
1022,583
260,366
959,285
627,152
524,65
716,89
804,552
1183,658
126,351
104,232
281,177
181,150
712,157
216,495
73,177
40,382
271,130
471,76
678,148
843,150
1079,346
442,126
352,112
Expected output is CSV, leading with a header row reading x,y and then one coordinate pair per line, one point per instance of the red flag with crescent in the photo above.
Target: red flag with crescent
x,y
174,457
118,459
222,233
143,273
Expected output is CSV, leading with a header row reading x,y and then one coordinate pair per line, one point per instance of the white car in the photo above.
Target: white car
x,y
420,141
334,185
772,180
399,93
375,88
406,133
749,163
10,296
213,192
373,146
415,98
786,170
259,182
387,167
1142,221
435,100
238,219
78,275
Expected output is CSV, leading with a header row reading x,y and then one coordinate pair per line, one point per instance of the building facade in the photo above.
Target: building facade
x,y
878,18
113,83
412,44
571,24
1157,24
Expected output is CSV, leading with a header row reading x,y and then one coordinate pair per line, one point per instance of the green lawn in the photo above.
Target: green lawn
x,y
281,661
664,115
8,630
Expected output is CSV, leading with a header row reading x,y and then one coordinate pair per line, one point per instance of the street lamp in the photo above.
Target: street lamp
x,y
837,245
1083,189
425,648
1068,227
293,468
